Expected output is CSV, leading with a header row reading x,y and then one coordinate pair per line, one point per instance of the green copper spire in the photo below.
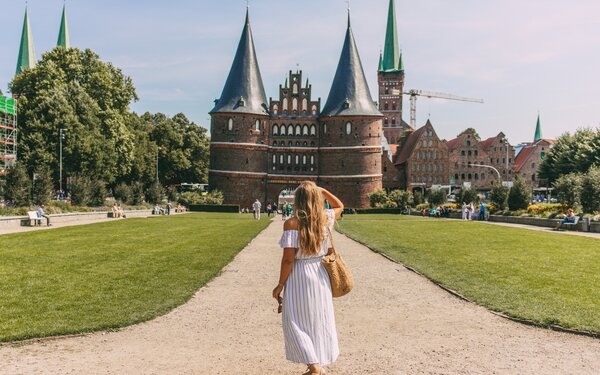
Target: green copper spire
x,y
26,51
380,68
401,62
64,39
391,51
286,83
538,130
306,82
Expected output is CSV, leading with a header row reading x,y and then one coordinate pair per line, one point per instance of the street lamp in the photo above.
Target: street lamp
x,y
60,179
157,153
490,167
506,144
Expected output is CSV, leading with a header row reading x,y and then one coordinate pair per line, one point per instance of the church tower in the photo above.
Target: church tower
x,y
390,76
64,39
239,130
26,57
350,131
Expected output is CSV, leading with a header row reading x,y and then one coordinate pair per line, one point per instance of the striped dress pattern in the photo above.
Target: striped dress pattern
x,y
308,318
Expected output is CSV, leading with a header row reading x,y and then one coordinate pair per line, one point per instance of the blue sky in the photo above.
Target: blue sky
x,y
519,56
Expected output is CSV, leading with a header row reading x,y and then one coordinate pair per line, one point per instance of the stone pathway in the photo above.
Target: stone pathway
x,y
394,322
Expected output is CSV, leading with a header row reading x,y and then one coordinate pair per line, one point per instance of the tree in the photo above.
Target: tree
x,y
379,198
18,186
123,193
80,187
590,190
437,197
137,193
568,189
571,153
418,198
499,196
155,193
98,193
73,90
402,198
467,195
519,196
189,198
43,186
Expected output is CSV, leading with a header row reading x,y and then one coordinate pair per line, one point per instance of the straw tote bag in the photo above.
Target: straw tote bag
x,y
339,273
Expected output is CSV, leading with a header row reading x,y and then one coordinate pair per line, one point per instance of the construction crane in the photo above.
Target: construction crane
x,y
430,94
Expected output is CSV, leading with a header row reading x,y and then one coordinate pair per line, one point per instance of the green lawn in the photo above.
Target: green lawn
x,y
550,278
112,274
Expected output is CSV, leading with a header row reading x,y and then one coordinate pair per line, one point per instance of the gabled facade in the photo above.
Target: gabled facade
x,y
530,156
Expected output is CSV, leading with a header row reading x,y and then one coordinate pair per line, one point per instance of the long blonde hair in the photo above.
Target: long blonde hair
x,y
309,209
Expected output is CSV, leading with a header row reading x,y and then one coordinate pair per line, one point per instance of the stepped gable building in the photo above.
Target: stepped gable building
x,y
467,149
390,76
530,156
260,149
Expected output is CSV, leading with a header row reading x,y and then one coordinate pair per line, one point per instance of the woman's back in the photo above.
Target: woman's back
x,y
290,237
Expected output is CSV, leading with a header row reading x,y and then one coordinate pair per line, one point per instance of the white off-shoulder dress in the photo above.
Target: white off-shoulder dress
x,y
308,318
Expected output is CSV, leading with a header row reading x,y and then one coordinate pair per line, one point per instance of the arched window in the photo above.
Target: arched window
x,y
385,121
304,104
305,129
304,144
290,144
312,160
324,128
282,130
281,159
257,125
290,130
230,124
348,127
284,106
393,106
298,130
385,106
282,143
274,159
274,143
476,176
470,176
275,109
462,152
393,121
313,130
462,176
297,159
297,143
314,109
469,152
295,88
275,129
289,159
468,143
294,104
476,153
304,159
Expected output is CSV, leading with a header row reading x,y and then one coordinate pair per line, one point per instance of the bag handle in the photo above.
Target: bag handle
x,y
331,241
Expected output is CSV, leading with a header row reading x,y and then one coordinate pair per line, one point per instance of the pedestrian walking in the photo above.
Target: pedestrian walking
x,y
256,207
307,304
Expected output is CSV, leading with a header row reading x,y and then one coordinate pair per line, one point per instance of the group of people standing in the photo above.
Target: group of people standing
x,y
272,209
469,212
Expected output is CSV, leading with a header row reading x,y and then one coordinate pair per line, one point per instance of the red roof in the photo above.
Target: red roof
x,y
522,157
487,144
409,145
451,144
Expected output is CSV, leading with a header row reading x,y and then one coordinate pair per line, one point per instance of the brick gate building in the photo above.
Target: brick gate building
x,y
259,149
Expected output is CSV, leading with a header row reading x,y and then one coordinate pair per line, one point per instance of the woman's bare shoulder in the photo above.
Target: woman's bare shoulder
x,y
290,224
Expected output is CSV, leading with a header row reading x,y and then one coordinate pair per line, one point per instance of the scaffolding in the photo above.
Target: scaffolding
x,y
8,133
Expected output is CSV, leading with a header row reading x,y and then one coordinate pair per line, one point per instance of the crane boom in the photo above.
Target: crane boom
x,y
431,94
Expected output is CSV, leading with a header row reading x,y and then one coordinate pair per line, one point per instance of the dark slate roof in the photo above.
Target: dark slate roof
x,y
349,94
244,91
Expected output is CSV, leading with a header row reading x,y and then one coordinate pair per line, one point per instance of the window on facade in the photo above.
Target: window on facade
x,y
532,165
297,159
257,125
294,104
476,176
385,106
289,159
542,155
462,152
469,176
284,106
462,176
282,130
393,106
290,143
312,160
387,90
305,130
313,130
430,143
282,143
274,143
476,153
297,143
295,88
275,109
304,104
418,167
314,110
456,176
469,152
275,129
304,159
385,121
298,130
230,124
290,130
281,159
483,176
348,127
393,121
305,144
312,144
324,128
274,159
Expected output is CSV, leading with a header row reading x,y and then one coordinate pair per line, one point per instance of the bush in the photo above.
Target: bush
x,y
418,198
123,193
172,194
379,199
590,190
80,188
546,209
155,193
437,197
499,196
189,198
568,189
43,187
467,195
98,193
519,196
18,186
137,193
402,198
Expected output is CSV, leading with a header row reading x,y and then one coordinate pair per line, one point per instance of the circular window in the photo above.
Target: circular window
x,y
348,127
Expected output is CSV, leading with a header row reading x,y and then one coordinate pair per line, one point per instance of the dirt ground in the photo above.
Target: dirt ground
x,y
394,322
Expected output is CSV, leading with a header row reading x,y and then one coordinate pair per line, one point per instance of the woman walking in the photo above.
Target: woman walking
x,y
307,304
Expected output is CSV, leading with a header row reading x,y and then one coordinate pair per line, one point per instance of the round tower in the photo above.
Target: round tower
x,y
351,131
239,130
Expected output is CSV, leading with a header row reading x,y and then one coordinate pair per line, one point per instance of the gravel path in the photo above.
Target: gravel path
x,y
394,322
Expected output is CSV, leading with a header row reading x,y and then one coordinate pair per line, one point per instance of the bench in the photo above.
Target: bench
x,y
33,218
573,225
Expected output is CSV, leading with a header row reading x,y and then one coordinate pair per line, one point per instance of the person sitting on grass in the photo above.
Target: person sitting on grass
x,y
570,218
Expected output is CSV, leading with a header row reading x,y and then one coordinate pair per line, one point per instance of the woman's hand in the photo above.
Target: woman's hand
x,y
277,291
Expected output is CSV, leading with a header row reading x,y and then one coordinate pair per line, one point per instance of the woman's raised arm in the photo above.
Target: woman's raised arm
x,y
336,204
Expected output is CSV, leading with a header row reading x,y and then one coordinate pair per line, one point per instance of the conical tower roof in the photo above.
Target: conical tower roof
x,y
349,94
26,57
538,130
244,91
380,65
64,39
391,52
